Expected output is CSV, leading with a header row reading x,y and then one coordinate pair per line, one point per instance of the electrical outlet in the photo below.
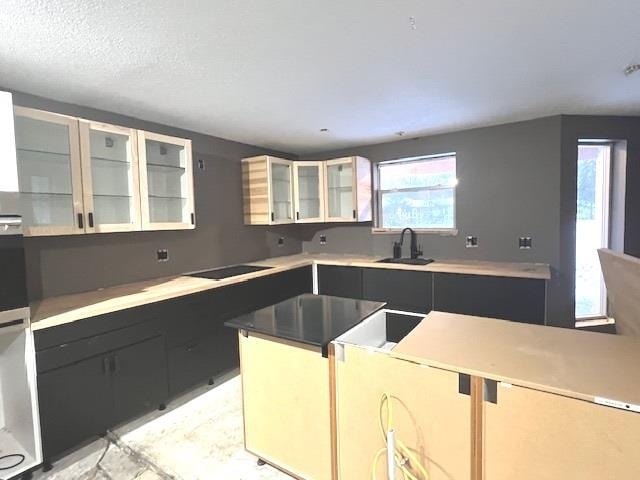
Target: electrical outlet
x,y
323,239
280,241
525,243
201,164
162,255
471,242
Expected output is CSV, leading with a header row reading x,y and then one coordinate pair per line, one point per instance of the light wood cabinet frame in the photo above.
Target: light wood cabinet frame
x,y
322,188
79,217
188,210
87,179
360,190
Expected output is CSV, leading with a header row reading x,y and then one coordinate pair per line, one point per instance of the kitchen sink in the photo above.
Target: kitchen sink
x,y
407,261
226,272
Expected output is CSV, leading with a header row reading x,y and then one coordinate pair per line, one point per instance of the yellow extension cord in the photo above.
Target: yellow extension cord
x,y
402,452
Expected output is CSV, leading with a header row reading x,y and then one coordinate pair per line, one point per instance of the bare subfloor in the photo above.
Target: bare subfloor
x,y
198,437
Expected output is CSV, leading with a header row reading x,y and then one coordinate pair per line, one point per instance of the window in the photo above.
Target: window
x,y
592,227
417,192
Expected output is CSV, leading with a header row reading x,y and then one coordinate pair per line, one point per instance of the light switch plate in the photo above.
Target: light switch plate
x,y
525,243
323,239
162,255
471,242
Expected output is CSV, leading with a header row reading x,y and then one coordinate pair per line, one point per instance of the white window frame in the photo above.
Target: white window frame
x,y
378,196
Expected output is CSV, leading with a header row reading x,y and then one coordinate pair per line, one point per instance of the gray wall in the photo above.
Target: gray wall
x,y
69,264
509,186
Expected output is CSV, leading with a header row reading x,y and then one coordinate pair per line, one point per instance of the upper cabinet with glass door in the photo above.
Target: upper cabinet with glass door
x,y
267,190
166,182
348,190
49,173
110,177
309,191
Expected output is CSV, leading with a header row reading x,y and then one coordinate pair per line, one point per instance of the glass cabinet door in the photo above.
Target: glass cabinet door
x,y
309,188
340,191
281,196
166,182
49,172
110,178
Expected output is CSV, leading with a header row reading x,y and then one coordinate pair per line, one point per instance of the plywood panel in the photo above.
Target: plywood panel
x,y
573,363
531,435
286,399
622,277
430,416
255,191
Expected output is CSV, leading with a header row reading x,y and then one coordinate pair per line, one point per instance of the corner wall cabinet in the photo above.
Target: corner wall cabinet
x,y
278,191
77,176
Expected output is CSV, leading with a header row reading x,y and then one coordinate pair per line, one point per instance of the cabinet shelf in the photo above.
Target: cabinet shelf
x,y
159,165
111,160
46,193
44,152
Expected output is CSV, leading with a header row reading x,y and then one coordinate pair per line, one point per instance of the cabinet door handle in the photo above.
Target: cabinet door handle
x,y
193,219
106,366
80,221
297,215
115,364
90,217
354,213
273,216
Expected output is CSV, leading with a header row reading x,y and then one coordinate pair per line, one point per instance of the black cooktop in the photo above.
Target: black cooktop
x,y
310,319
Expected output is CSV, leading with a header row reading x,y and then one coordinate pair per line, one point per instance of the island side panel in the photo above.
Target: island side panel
x,y
533,435
430,416
286,403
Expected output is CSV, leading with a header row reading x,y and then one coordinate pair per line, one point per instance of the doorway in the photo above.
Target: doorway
x,y
592,226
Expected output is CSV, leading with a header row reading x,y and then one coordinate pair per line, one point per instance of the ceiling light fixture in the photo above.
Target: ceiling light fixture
x,y
633,68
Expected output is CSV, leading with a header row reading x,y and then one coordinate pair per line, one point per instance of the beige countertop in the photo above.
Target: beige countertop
x,y
63,309
573,363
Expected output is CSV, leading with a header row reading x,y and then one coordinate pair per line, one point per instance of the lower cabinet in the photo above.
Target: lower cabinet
x,y
404,290
340,281
83,399
534,435
517,299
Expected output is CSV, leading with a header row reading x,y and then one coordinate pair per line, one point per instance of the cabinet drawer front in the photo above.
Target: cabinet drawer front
x,y
401,289
517,299
89,327
68,353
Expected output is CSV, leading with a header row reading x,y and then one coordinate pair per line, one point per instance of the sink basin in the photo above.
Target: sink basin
x,y
226,272
407,261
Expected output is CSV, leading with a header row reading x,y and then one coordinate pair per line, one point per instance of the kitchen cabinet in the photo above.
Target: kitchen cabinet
x,y
309,191
530,434
111,187
49,173
340,281
84,398
348,192
166,182
431,408
277,191
517,299
77,176
267,189
404,290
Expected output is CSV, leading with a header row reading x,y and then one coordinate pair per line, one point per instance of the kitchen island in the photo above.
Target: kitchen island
x,y
287,380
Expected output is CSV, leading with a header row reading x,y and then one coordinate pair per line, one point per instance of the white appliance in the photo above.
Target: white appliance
x,y
20,443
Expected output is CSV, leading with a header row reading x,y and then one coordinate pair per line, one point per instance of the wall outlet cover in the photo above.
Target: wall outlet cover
x,y
162,255
280,241
323,239
471,241
525,243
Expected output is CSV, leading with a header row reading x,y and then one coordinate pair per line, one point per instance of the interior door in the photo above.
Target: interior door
x,y
309,191
340,193
49,173
139,378
110,177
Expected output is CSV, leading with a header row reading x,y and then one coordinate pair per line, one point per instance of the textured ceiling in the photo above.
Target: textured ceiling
x,y
274,72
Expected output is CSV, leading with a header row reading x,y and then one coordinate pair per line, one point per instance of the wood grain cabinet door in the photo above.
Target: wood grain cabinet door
x,y
533,435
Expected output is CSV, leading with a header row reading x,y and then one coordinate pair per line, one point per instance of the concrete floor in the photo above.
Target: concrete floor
x,y
198,437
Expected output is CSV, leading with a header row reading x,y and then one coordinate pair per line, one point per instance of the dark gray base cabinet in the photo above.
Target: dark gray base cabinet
x,y
340,281
517,299
83,399
404,290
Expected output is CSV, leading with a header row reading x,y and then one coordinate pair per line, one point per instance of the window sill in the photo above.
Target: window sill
x,y
445,232
594,322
